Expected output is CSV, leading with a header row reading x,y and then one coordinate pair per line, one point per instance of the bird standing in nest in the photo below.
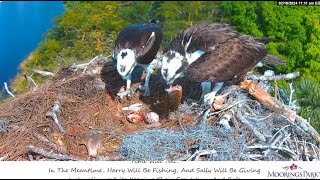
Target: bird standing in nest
x,y
213,53
137,45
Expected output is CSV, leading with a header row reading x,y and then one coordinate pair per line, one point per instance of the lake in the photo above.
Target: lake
x,y
22,26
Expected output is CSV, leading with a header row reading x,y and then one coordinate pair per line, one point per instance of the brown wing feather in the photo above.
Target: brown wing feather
x,y
210,36
233,58
204,35
136,37
274,60
149,46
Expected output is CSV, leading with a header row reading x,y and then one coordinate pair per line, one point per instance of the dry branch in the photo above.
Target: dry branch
x,y
28,79
265,98
53,113
43,73
224,120
84,66
8,91
51,155
286,150
250,126
197,154
277,77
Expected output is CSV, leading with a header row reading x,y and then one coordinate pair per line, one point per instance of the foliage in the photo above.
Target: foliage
x,y
308,96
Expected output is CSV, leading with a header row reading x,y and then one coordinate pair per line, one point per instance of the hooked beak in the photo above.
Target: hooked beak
x,y
122,68
169,89
173,88
154,72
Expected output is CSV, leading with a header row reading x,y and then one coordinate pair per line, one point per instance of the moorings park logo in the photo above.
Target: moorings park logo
x,y
292,167
294,171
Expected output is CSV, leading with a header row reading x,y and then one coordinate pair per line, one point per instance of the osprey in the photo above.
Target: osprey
x,y
212,53
137,45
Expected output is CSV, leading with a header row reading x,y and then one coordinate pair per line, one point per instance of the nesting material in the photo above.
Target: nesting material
x,y
218,103
259,93
252,133
3,125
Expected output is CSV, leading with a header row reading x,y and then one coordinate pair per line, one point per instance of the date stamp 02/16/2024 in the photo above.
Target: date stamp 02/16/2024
x,y
298,3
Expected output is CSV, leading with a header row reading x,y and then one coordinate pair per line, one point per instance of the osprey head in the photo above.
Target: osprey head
x,y
173,64
126,61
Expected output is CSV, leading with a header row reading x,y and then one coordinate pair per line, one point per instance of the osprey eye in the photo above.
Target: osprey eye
x,y
124,54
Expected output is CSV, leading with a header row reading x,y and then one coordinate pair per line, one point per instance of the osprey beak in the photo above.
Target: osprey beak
x,y
169,89
155,71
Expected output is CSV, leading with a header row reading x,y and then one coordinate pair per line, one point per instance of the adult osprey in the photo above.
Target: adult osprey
x,y
137,45
212,53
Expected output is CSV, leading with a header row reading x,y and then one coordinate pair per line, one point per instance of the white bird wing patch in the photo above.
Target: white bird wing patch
x,y
151,36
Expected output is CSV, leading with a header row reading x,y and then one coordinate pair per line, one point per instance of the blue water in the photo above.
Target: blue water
x,y
22,26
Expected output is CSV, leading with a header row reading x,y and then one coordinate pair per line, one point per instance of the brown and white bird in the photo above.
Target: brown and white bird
x,y
137,45
212,53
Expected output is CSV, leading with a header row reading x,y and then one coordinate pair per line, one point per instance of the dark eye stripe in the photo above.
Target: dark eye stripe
x,y
165,72
179,70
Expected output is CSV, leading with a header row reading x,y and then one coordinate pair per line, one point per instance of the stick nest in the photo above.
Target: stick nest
x,y
89,106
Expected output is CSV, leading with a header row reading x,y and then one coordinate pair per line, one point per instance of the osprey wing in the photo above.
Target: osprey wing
x,y
228,62
149,42
202,36
143,38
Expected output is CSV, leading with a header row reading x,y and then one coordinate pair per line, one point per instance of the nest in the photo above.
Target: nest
x,y
94,125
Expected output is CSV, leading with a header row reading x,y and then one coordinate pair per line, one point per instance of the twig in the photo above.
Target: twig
x,y
297,147
284,139
51,144
28,79
224,120
265,117
275,105
292,154
292,104
276,90
291,93
91,62
182,127
6,87
295,125
277,140
108,158
247,123
278,132
255,156
226,108
30,157
201,153
183,158
277,77
44,153
305,150
53,113
3,158
84,66
43,73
